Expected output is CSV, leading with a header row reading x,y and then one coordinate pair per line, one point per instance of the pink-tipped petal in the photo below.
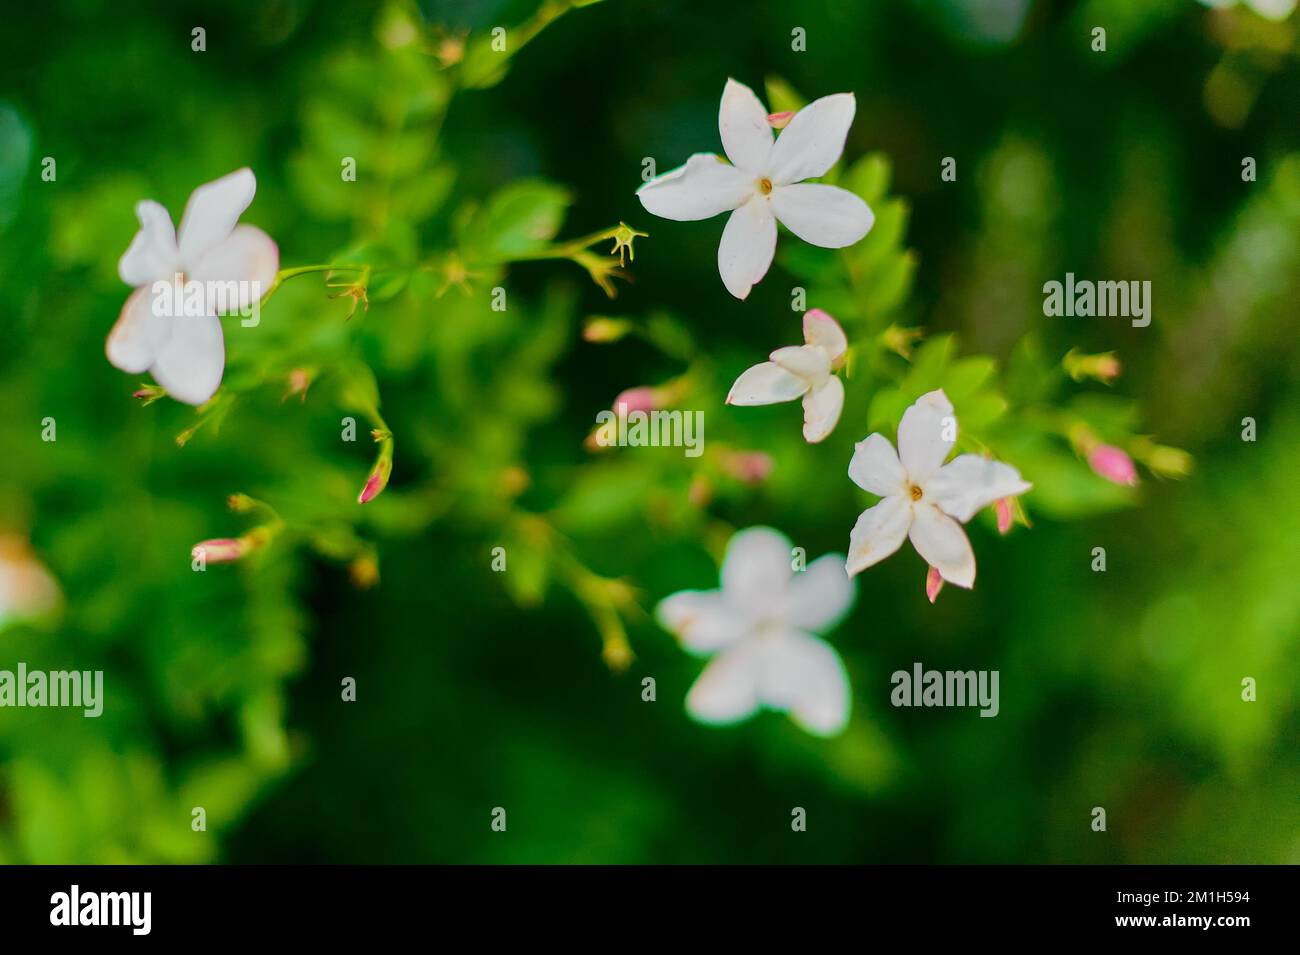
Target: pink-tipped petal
x,y
822,331
780,120
933,583
1002,507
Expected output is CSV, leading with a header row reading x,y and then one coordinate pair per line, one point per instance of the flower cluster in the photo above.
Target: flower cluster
x,y
759,623
762,627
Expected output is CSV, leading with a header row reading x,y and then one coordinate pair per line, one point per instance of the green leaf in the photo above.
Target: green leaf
x,y
809,263
889,286
319,187
885,237
782,97
869,178
15,154
967,376
886,410
977,413
333,130
1029,377
527,572
1111,415
518,219
929,366
424,195
607,495
1064,487
670,336
358,388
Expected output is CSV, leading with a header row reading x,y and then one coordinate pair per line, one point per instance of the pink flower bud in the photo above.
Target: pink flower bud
x,y
636,399
299,382
1113,464
933,583
751,467
1002,507
148,394
1107,367
780,120
377,481
220,550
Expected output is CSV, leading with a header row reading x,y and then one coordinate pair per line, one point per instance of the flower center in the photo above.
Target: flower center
x,y
765,186
916,492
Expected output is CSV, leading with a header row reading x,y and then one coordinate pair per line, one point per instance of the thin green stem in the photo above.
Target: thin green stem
x,y
285,274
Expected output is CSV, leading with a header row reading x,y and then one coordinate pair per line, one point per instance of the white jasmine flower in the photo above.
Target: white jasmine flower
x,y
921,497
759,628
764,184
229,265
805,371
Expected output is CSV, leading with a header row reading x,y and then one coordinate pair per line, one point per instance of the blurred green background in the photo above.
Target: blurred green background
x,y
477,690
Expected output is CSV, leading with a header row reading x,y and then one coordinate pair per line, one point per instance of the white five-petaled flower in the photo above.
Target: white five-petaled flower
x,y
184,351
764,184
759,628
922,498
805,371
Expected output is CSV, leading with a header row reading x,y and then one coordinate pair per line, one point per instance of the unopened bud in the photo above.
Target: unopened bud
x,y
299,381
643,398
933,583
1162,460
1002,507
751,467
1113,464
900,340
378,479
148,394
603,330
1103,367
224,550
617,655
220,550
364,572
514,481
780,120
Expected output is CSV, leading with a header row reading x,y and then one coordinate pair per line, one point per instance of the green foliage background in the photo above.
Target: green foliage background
x,y
477,689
